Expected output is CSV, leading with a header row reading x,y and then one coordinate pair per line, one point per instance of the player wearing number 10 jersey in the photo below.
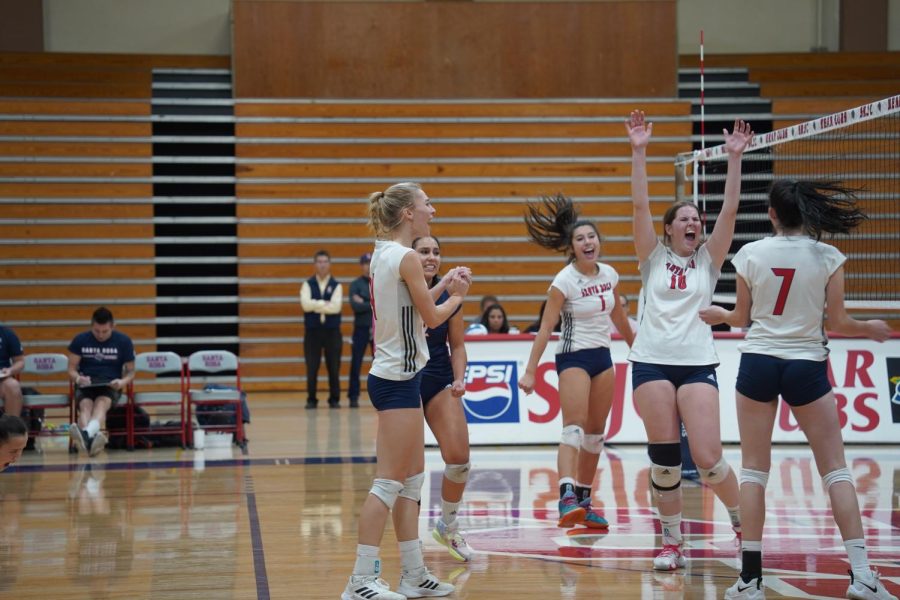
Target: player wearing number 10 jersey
x,y
784,284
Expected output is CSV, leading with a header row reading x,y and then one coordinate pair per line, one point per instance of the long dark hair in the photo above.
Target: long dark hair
x,y
11,426
485,318
816,206
552,222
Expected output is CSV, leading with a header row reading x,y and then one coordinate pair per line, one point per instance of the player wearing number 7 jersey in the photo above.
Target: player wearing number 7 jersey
x,y
784,284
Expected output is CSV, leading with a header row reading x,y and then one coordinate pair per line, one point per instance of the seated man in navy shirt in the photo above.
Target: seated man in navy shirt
x,y
101,364
12,361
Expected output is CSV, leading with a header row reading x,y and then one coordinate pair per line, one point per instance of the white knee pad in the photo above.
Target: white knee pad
x,y
412,487
665,479
715,474
749,476
572,435
593,443
457,473
829,479
386,490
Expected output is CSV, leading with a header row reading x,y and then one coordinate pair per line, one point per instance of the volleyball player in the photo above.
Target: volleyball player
x,y
584,295
401,308
443,384
674,357
784,284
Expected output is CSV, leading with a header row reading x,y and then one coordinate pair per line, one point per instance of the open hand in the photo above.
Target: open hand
x,y
739,139
639,131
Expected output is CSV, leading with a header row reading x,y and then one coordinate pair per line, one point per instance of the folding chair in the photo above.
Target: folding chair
x,y
166,366
214,408
52,367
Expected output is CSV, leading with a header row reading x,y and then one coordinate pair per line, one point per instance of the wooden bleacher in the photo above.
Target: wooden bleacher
x,y
315,163
78,230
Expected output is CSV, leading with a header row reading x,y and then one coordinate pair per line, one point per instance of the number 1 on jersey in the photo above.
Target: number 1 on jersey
x,y
787,276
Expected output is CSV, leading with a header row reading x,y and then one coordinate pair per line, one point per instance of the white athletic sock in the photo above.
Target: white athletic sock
x,y
449,511
859,559
671,529
411,559
367,561
92,428
748,546
734,513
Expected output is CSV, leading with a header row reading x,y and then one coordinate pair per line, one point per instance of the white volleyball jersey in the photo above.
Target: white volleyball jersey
x,y
585,313
787,276
400,347
674,290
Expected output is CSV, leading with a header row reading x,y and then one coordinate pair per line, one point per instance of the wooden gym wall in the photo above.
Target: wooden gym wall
x,y
300,49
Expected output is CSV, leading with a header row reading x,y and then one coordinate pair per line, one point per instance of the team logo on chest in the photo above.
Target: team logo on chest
x,y
678,274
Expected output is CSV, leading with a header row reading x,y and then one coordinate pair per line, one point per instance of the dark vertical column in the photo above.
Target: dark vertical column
x,y
21,26
864,26
194,179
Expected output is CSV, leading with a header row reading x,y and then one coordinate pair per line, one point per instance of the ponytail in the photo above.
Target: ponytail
x,y
550,223
385,207
816,206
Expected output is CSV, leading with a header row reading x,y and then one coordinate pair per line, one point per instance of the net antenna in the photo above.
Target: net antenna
x,y
860,147
702,164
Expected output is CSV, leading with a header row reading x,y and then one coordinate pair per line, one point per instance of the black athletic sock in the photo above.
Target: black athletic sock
x,y
583,493
566,487
751,562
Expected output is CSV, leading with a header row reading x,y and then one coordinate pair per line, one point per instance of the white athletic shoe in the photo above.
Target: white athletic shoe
x,y
369,587
79,439
755,590
423,585
98,444
670,558
872,590
452,538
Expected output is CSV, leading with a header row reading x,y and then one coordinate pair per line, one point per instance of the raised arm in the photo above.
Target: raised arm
x,y
639,133
720,239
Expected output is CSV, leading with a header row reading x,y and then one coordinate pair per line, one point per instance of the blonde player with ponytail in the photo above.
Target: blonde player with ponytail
x,y
401,308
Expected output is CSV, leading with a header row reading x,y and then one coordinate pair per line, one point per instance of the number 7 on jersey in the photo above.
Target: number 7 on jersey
x,y
787,277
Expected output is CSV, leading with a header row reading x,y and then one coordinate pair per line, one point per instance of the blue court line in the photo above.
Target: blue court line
x,y
189,464
259,557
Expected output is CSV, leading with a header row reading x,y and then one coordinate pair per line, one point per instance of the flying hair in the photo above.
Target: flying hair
x,y
815,206
551,222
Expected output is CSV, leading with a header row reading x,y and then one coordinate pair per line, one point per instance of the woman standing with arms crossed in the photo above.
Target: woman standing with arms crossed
x,y
674,357
401,308
784,284
443,384
584,295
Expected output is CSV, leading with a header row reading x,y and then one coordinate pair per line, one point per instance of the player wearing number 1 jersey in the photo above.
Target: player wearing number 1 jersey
x,y
784,284
583,295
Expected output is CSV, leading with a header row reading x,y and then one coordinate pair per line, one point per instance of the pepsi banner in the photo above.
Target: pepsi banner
x,y
865,376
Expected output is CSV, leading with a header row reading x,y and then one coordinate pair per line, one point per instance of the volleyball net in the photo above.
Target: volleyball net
x,y
860,147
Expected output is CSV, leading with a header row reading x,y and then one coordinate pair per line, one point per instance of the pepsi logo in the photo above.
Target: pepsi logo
x,y
492,395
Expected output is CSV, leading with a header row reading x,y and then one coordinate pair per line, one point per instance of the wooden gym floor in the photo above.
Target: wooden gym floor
x,y
280,521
